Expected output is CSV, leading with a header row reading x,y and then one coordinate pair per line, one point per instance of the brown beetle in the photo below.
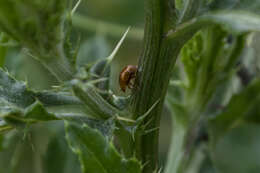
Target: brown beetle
x,y
126,77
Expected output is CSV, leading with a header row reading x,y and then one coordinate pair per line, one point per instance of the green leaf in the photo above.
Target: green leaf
x,y
96,152
252,5
37,112
236,110
34,113
101,69
236,22
38,26
238,150
233,21
14,92
18,94
19,105
55,157
209,60
59,157
233,15
224,4
189,9
52,98
94,102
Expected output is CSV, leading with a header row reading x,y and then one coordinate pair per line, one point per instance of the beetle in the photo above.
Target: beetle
x,y
126,77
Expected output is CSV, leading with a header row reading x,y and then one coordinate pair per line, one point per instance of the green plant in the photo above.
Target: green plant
x,y
115,134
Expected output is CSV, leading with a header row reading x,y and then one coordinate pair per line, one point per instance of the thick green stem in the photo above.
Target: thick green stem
x,y
144,96
155,66
154,70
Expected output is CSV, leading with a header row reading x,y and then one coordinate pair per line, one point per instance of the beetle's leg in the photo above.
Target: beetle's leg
x,y
132,81
131,85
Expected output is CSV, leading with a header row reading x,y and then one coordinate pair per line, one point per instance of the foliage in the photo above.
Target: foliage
x,y
213,122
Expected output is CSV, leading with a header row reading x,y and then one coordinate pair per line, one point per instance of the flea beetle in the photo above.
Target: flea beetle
x,y
127,77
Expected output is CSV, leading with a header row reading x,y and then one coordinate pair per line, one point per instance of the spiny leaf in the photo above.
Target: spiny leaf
x,y
20,106
96,152
29,20
14,117
233,21
18,94
252,5
94,102
38,26
34,113
14,92
238,19
38,113
48,98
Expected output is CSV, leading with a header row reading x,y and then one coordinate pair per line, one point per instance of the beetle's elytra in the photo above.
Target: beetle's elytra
x,y
126,77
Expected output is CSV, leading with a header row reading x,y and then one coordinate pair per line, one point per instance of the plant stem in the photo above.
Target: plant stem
x,y
177,147
154,70
144,95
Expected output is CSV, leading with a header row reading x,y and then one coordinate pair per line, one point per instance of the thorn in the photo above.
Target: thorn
x,y
97,81
26,80
133,133
176,83
112,55
141,118
146,163
160,170
151,130
55,86
133,136
26,52
148,122
124,119
75,7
